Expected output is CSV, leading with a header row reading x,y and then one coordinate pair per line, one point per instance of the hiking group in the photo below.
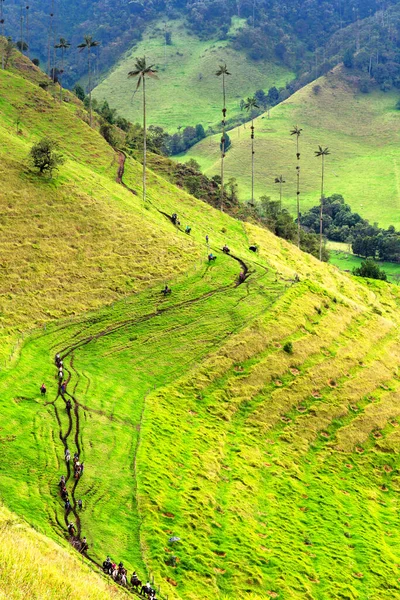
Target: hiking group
x,y
120,575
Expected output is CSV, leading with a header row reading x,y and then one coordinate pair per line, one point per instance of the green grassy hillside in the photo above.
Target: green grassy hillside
x,y
276,465
361,130
187,91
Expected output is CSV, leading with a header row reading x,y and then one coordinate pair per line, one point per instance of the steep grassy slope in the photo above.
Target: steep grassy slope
x,y
278,471
187,92
361,131
80,240
33,566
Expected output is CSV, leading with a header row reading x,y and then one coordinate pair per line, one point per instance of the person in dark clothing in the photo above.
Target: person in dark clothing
x,y
43,389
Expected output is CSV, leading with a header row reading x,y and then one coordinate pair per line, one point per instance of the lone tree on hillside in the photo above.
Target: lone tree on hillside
x,y
45,157
223,71
63,45
297,132
89,43
251,105
321,152
370,269
142,70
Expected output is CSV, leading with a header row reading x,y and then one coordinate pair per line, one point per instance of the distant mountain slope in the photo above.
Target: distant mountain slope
x,y
187,91
362,132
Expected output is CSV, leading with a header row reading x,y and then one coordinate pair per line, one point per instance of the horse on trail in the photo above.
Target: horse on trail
x,y
119,577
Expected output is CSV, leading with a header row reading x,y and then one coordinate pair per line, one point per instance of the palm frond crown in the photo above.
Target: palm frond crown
x,y
322,151
222,70
296,131
251,104
142,69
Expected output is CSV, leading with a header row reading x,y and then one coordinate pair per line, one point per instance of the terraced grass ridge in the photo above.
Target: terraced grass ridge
x,y
187,91
258,423
362,132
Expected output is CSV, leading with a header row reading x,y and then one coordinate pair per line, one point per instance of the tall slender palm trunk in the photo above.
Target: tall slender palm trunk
x,y
223,141
144,139
21,19
90,87
321,207
252,162
298,191
27,31
62,71
2,32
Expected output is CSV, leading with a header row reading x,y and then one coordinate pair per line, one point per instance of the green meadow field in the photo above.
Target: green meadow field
x,y
361,131
188,64
258,423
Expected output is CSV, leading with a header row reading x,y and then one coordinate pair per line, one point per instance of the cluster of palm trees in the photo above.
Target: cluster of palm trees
x,y
142,71
251,105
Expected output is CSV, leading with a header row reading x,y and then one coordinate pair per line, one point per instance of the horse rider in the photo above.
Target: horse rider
x,y
71,529
121,569
134,579
166,290
61,483
146,589
226,249
107,565
84,546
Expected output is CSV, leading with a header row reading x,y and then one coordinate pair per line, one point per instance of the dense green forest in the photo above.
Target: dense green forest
x,y
307,37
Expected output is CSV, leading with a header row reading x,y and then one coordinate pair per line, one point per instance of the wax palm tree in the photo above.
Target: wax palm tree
x,y
89,43
2,32
50,41
223,71
250,105
142,70
321,153
281,181
63,45
27,29
297,132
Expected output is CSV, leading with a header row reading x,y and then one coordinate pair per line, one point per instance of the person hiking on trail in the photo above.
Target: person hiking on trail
x,y
67,455
174,218
68,405
84,545
60,375
81,468
80,504
242,276
43,389
71,529
207,240
64,494
67,506
63,388
188,229
225,249
57,359
61,483
166,290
